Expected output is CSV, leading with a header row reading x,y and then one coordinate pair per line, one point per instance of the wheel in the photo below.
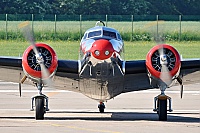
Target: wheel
x,y
162,110
101,108
39,111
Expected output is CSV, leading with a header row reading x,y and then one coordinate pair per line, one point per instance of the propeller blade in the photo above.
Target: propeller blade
x,y
20,87
181,91
20,90
161,50
180,81
20,83
28,34
165,75
45,75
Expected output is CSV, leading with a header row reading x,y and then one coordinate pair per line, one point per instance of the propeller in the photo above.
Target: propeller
x,y
28,34
179,79
20,83
20,87
181,91
165,74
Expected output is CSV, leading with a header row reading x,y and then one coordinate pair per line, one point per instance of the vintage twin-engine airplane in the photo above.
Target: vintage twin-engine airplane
x,y
100,73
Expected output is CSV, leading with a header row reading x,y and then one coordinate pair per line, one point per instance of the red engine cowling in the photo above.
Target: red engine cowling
x,y
153,60
30,66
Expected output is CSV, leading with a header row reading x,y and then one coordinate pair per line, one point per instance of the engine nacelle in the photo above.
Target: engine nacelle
x,y
30,65
153,63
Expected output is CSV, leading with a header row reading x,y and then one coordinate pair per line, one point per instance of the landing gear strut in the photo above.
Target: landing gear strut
x,y
41,104
160,105
101,107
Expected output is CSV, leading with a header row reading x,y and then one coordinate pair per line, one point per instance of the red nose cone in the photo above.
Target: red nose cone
x,y
102,49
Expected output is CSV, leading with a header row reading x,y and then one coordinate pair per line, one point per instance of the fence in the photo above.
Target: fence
x,y
129,25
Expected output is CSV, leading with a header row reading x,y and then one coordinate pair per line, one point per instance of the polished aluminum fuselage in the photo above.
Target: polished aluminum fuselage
x,y
101,79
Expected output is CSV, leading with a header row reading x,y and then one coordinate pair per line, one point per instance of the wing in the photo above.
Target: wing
x,y
66,76
136,77
11,69
190,70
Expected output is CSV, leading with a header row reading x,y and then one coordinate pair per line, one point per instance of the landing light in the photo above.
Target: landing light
x,y
107,52
97,53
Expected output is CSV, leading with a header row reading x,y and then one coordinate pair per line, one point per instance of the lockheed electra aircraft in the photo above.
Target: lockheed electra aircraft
x,y
101,73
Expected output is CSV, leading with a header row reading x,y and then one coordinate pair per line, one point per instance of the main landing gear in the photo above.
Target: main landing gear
x,y
160,105
41,104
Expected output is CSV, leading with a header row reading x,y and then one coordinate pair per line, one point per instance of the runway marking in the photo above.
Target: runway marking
x,y
29,91
80,128
50,94
3,82
171,92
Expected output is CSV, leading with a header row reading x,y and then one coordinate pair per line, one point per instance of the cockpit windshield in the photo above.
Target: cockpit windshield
x,y
102,33
105,33
109,34
94,34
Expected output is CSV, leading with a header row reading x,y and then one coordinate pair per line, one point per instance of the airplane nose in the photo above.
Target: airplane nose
x,y
102,49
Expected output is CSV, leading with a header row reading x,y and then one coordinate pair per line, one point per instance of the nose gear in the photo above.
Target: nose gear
x,y
41,103
160,105
101,107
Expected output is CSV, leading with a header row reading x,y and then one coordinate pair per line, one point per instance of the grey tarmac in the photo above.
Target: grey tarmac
x,y
74,112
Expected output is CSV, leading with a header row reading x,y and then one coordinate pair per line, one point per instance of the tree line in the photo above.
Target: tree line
x,y
101,7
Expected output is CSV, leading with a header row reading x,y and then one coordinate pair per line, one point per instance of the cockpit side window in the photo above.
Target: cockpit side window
x,y
85,36
118,36
94,33
109,34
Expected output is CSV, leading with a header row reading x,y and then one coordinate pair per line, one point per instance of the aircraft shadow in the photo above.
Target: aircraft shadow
x,y
115,116
129,116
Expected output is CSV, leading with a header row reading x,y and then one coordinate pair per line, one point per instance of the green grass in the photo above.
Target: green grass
x,y
71,26
70,30
138,50
70,49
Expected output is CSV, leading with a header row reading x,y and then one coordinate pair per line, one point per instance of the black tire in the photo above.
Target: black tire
x,y
101,110
39,111
162,110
